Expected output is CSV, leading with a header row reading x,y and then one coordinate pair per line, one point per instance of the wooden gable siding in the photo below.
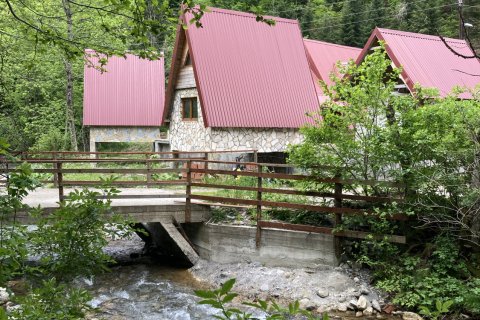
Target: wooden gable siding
x,y
186,78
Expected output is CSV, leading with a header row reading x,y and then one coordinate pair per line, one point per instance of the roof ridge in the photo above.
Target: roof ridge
x,y
420,35
250,15
332,44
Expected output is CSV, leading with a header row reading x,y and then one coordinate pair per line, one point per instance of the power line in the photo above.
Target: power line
x,y
371,10
389,16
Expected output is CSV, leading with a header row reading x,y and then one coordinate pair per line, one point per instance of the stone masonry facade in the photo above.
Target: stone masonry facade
x,y
193,136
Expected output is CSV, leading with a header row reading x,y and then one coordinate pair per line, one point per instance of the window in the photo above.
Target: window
x,y
189,108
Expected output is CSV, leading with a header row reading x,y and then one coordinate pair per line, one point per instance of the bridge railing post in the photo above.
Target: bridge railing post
x,y
148,165
258,237
188,191
54,166
205,164
338,216
59,174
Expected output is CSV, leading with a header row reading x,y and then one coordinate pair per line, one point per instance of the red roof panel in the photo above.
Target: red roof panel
x,y
130,93
323,57
427,61
250,74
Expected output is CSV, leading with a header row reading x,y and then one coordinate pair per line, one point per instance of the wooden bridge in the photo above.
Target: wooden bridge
x,y
197,180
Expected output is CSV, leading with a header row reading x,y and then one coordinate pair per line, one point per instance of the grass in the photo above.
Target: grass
x,y
99,176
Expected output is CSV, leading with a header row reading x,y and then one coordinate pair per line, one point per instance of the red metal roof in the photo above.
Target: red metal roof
x,y
323,57
130,93
250,74
427,61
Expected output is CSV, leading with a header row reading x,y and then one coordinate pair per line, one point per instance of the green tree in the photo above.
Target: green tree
x,y
352,23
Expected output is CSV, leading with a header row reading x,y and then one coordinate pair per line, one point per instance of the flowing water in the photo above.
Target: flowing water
x,y
154,292
146,291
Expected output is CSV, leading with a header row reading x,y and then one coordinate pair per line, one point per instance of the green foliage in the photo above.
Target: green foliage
x,y
424,280
53,140
441,308
13,245
220,298
70,241
53,300
431,146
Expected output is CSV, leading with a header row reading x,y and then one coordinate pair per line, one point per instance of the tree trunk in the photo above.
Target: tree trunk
x,y
69,111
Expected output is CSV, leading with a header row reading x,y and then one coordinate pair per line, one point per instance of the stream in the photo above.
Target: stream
x,y
144,292
154,292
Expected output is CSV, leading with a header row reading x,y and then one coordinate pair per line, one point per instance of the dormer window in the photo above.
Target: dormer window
x,y
189,109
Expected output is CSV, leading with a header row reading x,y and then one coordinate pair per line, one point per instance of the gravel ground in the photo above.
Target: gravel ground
x,y
322,288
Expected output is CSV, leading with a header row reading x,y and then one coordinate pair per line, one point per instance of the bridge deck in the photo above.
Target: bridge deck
x,y
140,209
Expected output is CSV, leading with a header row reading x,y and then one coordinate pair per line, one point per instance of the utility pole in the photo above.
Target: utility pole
x,y
460,14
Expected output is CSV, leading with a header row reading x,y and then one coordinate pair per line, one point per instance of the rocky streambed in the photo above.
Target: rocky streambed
x,y
342,291
144,289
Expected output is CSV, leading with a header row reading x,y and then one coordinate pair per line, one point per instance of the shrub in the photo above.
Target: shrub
x,y
70,241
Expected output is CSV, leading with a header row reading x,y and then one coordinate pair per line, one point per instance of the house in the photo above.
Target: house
x,y
426,61
323,58
124,103
238,84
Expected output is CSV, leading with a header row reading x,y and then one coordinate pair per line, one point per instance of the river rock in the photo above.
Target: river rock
x,y
376,305
4,296
368,311
411,316
342,299
322,293
364,291
306,304
362,303
359,314
342,307
11,307
356,279
352,305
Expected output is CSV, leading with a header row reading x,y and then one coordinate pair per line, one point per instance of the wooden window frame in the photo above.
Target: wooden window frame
x,y
190,100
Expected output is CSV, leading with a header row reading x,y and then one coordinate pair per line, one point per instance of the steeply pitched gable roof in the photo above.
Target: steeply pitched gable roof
x,y
427,61
248,74
130,93
323,57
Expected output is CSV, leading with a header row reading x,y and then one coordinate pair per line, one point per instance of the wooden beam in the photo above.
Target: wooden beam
x,y
326,230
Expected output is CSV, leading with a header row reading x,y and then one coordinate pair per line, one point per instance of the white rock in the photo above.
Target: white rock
x,y
342,307
368,311
11,307
306,304
322,293
376,305
364,291
411,316
352,305
359,314
362,303
4,296
356,279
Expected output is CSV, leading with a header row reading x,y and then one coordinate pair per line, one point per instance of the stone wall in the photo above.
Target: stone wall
x,y
193,136
188,135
